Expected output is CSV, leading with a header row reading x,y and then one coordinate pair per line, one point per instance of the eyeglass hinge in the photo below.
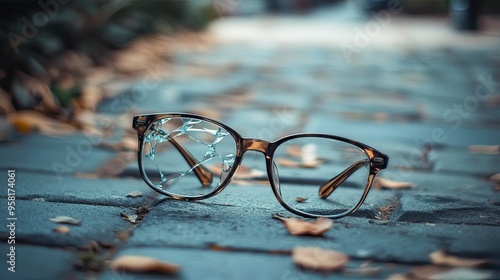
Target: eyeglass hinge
x,y
379,162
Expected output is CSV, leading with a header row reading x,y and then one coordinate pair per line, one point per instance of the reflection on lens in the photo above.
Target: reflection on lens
x,y
187,156
321,176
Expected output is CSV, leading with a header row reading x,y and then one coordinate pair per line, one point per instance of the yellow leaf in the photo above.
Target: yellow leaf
x,y
442,258
381,183
62,229
296,226
319,259
143,264
30,121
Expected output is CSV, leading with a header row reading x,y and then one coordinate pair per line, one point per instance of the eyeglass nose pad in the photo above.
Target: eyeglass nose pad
x,y
276,177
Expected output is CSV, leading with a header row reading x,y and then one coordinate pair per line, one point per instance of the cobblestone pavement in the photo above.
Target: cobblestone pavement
x,y
427,107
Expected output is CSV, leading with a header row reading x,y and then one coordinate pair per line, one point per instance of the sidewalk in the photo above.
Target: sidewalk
x,y
419,104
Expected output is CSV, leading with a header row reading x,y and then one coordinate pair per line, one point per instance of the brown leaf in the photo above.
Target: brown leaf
x,y
65,220
398,276
30,121
485,149
381,183
296,226
439,272
143,264
134,194
427,271
442,258
62,229
300,199
319,259
495,179
131,218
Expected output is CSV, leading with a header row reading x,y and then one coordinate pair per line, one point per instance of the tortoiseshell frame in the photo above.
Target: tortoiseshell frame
x,y
377,161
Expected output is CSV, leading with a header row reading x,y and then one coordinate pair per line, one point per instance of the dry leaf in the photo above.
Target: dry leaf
x,y
143,264
442,258
296,226
30,121
300,199
495,179
294,151
131,218
134,194
62,229
65,220
463,273
439,272
318,259
398,276
427,271
485,149
381,183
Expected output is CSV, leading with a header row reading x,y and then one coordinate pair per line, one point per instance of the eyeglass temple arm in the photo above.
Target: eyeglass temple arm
x,y
204,174
326,189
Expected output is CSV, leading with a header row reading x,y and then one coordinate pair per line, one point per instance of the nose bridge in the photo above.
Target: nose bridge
x,y
250,144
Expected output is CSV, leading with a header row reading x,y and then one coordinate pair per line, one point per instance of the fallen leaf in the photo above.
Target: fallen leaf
x,y
31,121
427,271
134,194
143,264
131,218
442,258
294,151
296,226
319,259
381,183
485,149
62,229
300,199
398,276
65,220
462,273
495,179
439,272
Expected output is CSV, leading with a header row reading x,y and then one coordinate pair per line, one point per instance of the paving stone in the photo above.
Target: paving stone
x,y
37,263
70,189
213,264
451,208
98,223
245,222
470,163
54,155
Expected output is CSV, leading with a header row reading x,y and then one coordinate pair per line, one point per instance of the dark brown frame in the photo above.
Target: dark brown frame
x,y
377,161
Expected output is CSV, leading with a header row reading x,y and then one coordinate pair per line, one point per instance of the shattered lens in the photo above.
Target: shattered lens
x,y
320,176
186,156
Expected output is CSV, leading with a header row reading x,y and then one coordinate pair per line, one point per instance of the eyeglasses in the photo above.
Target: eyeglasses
x,y
191,157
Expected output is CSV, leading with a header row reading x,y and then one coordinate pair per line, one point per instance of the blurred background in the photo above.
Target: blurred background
x,y
53,51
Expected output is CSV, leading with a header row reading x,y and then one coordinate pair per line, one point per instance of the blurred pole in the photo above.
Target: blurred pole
x,y
464,14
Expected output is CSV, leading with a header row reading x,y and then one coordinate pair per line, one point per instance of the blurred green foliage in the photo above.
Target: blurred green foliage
x,y
34,33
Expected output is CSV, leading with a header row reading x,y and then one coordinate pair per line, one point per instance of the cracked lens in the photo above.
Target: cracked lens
x,y
175,148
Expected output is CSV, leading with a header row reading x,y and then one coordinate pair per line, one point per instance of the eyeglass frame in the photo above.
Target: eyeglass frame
x,y
377,161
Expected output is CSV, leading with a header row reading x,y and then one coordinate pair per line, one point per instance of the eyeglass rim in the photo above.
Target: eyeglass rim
x,y
142,122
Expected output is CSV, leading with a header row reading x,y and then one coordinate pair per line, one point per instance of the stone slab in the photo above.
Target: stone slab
x,y
247,225
213,264
98,223
54,155
70,189
37,263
